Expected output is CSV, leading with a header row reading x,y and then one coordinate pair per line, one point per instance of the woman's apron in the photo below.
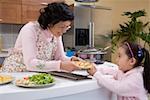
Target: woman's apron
x,y
45,51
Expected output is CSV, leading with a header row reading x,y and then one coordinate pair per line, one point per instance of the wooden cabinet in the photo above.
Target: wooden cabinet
x,y
11,1
10,12
21,11
30,12
30,8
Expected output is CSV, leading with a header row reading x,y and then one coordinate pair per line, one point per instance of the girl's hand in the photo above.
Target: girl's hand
x,y
92,70
68,66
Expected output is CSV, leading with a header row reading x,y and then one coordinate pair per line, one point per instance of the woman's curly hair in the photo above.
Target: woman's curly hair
x,y
54,13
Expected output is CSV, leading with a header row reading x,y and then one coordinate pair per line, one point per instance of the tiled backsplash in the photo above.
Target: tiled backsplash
x,y
68,38
9,33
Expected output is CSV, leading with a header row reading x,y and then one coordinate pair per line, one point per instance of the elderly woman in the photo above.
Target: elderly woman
x,y
39,44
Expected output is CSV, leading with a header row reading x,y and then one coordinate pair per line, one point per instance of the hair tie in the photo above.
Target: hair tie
x,y
140,52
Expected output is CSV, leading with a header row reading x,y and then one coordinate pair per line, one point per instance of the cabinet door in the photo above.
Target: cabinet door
x,y
21,11
0,12
30,9
10,13
34,2
30,13
11,1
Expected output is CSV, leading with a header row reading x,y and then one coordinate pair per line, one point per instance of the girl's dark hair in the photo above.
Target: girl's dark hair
x,y
142,57
54,13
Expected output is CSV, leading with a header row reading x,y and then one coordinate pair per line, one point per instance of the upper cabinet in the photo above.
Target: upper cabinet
x,y
21,11
10,11
30,8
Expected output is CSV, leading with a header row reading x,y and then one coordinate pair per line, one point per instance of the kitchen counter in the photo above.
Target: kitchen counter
x,y
3,54
64,89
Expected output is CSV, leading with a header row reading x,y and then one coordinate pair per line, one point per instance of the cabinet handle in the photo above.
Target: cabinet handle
x,y
44,3
1,20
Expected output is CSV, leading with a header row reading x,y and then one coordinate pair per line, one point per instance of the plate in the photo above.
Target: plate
x,y
4,79
36,81
35,86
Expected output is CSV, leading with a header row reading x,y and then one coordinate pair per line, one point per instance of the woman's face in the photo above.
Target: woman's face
x,y
59,28
123,61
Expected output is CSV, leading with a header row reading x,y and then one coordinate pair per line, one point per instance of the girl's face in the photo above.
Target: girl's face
x,y
59,28
124,62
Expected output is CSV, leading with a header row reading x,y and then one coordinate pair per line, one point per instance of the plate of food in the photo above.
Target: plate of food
x,y
4,79
83,64
36,81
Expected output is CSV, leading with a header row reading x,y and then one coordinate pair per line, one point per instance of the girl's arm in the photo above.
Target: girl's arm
x,y
124,87
107,70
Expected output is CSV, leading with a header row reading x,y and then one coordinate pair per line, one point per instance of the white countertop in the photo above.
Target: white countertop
x,y
70,89
61,88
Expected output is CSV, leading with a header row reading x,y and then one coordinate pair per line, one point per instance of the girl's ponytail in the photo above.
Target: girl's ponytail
x,y
146,72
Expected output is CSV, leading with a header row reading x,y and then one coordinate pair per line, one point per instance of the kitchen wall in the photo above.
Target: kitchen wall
x,y
132,5
120,6
105,21
108,20
102,20
68,38
9,33
114,17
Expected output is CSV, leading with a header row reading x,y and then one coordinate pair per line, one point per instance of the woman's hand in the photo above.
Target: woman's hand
x,y
68,66
74,58
92,70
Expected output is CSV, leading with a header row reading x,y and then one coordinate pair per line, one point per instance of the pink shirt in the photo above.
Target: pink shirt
x,y
26,42
127,86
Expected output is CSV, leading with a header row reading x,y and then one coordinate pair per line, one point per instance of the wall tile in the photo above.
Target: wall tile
x,y
9,33
5,28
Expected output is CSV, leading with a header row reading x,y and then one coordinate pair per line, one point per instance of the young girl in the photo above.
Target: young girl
x,y
131,81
